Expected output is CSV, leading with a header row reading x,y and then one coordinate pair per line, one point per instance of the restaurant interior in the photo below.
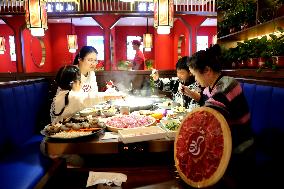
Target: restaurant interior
x,y
251,38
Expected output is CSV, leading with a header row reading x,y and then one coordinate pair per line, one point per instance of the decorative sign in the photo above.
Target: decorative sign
x,y
2,45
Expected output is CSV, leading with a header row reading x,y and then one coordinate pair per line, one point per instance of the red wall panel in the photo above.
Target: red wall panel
x,y
33,52
58,41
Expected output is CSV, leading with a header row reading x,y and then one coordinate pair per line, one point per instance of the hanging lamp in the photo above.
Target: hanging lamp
x,y
36,16
2,45
163,16
147,40
72,41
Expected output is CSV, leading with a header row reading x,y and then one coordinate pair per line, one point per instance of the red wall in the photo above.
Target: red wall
x,y
33,52
6,65
60,54
164,51
180,29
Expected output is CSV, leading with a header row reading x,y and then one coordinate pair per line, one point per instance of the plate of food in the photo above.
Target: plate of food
x,y
118,122
165,105
74,128
202,147
171,126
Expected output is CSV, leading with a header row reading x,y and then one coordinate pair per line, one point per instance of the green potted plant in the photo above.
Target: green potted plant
x,y
123,65
277,48
149,64
253,53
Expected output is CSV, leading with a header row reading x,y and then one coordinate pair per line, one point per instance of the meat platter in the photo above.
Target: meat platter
x,y
118,122
202,147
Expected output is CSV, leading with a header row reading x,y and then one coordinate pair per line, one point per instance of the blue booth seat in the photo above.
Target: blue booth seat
x,y
22,164
266,105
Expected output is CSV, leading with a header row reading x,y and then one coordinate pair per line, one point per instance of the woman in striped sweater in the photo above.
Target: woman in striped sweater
x,y
224,94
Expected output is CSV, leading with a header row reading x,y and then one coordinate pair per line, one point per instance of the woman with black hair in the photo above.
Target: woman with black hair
x,y
70,98
224,94
86,60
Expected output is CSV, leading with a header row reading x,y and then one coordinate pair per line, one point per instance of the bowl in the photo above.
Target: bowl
x,y
171,126
109,112
88,111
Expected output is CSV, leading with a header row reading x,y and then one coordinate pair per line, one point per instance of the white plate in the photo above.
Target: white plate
x,y
170,133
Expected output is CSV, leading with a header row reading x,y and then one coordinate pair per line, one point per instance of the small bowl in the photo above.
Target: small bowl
x,y
89,111
109,113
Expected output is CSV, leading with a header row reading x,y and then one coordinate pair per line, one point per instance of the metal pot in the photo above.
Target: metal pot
x,y
134,103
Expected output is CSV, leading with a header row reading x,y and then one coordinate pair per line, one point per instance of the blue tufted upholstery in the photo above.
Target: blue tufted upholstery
x,y
22,165
267,110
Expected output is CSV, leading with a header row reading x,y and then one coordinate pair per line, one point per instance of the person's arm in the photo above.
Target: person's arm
x,y
93,81
166,84
191,93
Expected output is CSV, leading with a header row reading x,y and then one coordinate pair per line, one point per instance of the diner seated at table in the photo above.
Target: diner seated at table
x,y
173,85
225,94
69,99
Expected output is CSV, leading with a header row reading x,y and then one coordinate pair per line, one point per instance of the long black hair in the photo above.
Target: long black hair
x,y
64,79
85,50
209,58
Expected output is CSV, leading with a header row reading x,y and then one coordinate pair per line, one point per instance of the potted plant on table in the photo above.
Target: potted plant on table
x,y
277,48
123,65
149,64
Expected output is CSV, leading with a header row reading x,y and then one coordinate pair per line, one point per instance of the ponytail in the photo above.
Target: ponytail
x,y
209,58
76,60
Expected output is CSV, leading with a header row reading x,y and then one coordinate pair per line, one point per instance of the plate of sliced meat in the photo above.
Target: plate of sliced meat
x,y
202,148
118,122
74,128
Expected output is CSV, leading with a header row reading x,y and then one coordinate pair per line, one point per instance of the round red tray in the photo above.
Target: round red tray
x,y
202,147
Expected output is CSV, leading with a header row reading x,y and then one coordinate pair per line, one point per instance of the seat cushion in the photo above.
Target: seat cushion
x,y
23,168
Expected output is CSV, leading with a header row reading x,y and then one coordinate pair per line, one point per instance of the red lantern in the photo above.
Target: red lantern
x,y
36,16
147,40
72,41
163,15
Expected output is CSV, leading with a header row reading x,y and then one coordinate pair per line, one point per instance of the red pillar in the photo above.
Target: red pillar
x,y
106,22
17,23
194,21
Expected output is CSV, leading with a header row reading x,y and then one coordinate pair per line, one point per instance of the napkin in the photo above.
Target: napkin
x,y
108,178
110,135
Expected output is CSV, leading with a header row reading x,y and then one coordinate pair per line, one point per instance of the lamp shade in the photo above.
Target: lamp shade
x,y
163,15
2,45
72,43
36,16
147,41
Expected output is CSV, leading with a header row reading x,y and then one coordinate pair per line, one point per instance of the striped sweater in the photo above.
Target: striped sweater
x,y
227,97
